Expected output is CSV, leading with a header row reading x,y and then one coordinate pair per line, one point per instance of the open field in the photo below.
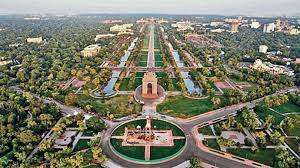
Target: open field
x,y
82,144
264,114
288,107
205,130
119,106
184,107
265,156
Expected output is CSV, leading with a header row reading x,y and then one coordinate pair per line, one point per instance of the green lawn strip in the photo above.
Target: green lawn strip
x,y
294,144
175,85
183,107
296,130
81,144
132,124
288,107
158,57
205,130
159,64
139,74
89,132
124,84
137,82
142,64
163,125
162,152
264,156
263,114
136,152
161,74
212,143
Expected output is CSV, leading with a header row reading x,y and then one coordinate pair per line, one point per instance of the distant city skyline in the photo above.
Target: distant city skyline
x,y
221,7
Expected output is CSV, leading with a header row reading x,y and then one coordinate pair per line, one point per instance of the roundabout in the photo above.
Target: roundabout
x,y
147,141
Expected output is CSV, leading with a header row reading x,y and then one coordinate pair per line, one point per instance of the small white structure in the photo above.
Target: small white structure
x,y
217,30
215,24
37,40
90,51
263,49
182,26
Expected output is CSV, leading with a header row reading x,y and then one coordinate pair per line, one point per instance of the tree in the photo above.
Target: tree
x,y
284,159
216,100
195,162
226,142
249,118
71,99
269,121
46,145
261,138
27,136
276,138
288,123
95,124
98,156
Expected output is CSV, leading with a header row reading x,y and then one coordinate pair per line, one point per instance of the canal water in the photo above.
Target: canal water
x,y
109,88
189,83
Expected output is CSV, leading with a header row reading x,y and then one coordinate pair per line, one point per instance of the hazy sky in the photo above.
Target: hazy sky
x,y
227,7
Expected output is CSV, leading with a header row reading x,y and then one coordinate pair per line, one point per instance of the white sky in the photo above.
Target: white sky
x,y
226,7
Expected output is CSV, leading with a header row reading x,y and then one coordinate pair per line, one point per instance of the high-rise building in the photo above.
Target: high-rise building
x,y
234,26
268,28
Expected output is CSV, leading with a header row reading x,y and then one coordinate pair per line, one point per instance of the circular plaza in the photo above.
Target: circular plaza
x,y
147,141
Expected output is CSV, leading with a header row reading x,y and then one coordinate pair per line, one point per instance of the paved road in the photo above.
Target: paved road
x,y
151,56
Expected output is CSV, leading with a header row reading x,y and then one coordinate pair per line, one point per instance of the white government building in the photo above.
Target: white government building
x,y
271,68
91,50
37,40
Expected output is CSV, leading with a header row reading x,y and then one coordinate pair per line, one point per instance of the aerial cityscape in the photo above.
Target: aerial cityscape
x,y
135,84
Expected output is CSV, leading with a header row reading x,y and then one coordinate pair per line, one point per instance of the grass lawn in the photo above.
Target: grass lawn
x,y
212,143
161,74
263,114
159,63
139,75
162,152
264,156
124,84
288,107
136,152
120,130
205,130
183,107
296,130
119,106
137,82
163,125
292,142
175,85
158,57
88,132
82,144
